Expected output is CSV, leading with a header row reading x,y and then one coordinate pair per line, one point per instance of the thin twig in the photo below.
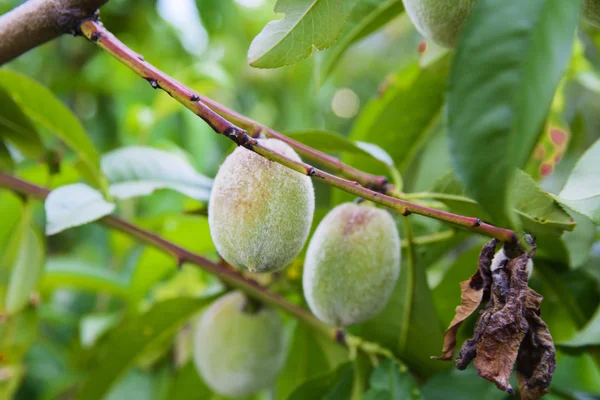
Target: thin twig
x,y
96,32
229,277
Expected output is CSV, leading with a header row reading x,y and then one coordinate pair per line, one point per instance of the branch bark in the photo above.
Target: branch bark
x,y
97,33
37,21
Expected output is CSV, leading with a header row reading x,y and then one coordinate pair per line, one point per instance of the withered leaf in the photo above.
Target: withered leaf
x,y
497,351
473,292
537,355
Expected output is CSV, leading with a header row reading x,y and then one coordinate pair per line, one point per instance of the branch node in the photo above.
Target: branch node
x,y
95,36
477,223
340,336
311,171
153,83
194,98
405,212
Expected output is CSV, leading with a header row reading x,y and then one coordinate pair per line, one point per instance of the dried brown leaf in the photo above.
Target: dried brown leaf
x,y
537,355
473,292
499,345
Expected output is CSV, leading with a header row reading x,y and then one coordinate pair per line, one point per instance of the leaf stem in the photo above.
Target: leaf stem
x,y
96,32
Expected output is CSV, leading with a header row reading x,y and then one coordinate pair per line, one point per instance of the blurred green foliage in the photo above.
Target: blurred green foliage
x,y
111,317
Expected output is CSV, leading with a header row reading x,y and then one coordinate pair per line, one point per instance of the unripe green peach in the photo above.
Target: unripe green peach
x,y
352,264
439,20
238,352
591,11
260,212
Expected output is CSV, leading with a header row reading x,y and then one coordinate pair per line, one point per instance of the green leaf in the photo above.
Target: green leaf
x,y
332,142
139,171
419,93
21,265
188,385
11,210
366,17
505,71
460,385
44,108
6,161
391,381
304,362
579,242
128,341
589,335
336,385
70,272
582,190
17,334
306,24
537,210
16,127
74,205
13,374
409,325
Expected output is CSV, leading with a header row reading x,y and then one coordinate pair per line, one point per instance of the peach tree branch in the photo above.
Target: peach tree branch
x,y
37,21
98,34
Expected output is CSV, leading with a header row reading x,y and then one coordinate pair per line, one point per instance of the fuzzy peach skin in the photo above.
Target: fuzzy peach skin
x,y
352,264
236,352
260,212
439,20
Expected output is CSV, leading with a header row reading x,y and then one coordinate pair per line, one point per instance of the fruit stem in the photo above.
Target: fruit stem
x,y
96,32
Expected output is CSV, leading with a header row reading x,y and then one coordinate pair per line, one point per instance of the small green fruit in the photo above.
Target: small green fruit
x,y
352,264
439,20
260,212
237,352
591,11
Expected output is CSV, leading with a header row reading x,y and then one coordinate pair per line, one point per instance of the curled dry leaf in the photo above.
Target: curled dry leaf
x,y
509,329
506,327
473,292
537,356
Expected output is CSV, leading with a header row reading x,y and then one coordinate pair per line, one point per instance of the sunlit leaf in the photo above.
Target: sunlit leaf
x,y
582,190
306,24
44,108
139,171
128,341
506,69
74,205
